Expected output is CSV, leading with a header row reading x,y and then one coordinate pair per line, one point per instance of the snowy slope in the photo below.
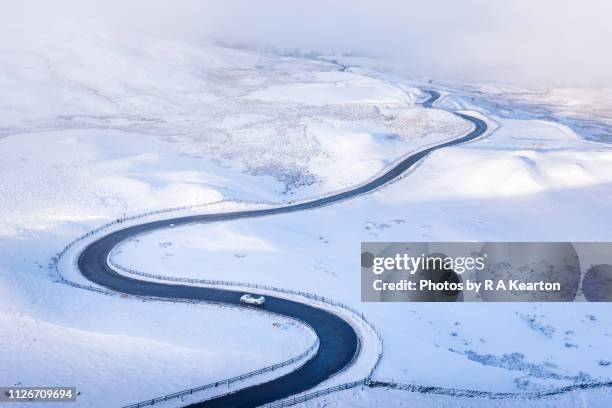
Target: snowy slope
x,y
522,183
118,350
92,128
241,109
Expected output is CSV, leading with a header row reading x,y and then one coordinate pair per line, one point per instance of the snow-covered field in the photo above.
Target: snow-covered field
x,y
382,397
519,184
240,110
118,350
90,130
164,125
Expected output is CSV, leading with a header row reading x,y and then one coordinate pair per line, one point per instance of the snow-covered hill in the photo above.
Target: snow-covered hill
x,y
93,127
529,181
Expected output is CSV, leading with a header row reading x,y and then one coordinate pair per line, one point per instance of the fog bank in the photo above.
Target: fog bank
x,y
535,43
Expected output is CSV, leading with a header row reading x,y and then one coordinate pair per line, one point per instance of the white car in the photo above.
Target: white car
x,y
254,300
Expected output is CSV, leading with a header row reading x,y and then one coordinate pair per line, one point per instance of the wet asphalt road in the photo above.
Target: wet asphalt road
x,y
338,340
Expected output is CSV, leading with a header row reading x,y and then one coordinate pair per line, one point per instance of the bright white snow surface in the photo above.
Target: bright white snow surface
x,y
531,180
91,128
118,350
382,397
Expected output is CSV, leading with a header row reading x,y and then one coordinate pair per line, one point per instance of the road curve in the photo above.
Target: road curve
x,y
338,340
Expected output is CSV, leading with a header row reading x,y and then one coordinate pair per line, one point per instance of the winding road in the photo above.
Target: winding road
x,y
338,340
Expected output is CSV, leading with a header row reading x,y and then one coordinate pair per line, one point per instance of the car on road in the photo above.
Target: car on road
x,y
253,300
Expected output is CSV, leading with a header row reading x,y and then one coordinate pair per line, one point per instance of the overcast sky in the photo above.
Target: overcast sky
x,y
540,42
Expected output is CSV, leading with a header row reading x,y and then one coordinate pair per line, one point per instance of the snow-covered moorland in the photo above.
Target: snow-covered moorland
x,y
91,128
516,185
